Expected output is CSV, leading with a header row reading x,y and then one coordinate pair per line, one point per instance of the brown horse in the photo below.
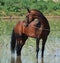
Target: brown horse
x,y
38,27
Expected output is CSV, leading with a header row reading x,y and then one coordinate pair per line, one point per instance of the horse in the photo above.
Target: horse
x,y
37,27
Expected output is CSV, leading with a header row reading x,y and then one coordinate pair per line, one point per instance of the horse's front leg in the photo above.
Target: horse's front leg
x,y
37,47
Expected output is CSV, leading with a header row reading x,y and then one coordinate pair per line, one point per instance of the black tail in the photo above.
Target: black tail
x,y
13,42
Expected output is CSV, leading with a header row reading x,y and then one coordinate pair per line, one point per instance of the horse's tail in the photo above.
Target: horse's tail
x,y
13,42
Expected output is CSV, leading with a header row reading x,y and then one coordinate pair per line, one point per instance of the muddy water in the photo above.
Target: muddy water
x,y
51,53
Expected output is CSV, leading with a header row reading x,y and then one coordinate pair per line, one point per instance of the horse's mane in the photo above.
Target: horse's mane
x,y
41,16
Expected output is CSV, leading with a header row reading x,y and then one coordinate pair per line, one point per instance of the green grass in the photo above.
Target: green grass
x,y
55,27
18,7
6,27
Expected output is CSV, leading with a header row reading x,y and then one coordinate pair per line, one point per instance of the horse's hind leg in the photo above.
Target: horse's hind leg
x,y
43,46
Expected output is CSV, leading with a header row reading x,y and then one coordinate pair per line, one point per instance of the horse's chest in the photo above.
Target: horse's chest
x,y
31,31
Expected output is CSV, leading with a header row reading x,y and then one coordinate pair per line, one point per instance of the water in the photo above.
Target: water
x,y
51,53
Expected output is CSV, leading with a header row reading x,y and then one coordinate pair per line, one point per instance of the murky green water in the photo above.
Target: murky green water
x,y
51,53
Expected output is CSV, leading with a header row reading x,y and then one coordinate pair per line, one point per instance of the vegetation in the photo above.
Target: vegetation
x,y
18,7
6,27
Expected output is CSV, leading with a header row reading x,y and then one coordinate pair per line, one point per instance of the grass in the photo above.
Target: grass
x,y
18,7
55,27
6,27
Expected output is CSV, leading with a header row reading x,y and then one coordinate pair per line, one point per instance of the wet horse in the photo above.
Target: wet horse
x,y
37,27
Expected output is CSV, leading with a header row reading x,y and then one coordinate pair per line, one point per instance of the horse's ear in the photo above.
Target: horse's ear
x,y
28,10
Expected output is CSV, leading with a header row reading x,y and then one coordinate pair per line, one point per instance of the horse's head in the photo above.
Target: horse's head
x,y
31,15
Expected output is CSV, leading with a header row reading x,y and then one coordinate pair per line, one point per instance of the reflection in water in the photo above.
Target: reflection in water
x,y
36,60
42,60
12,59
17,60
